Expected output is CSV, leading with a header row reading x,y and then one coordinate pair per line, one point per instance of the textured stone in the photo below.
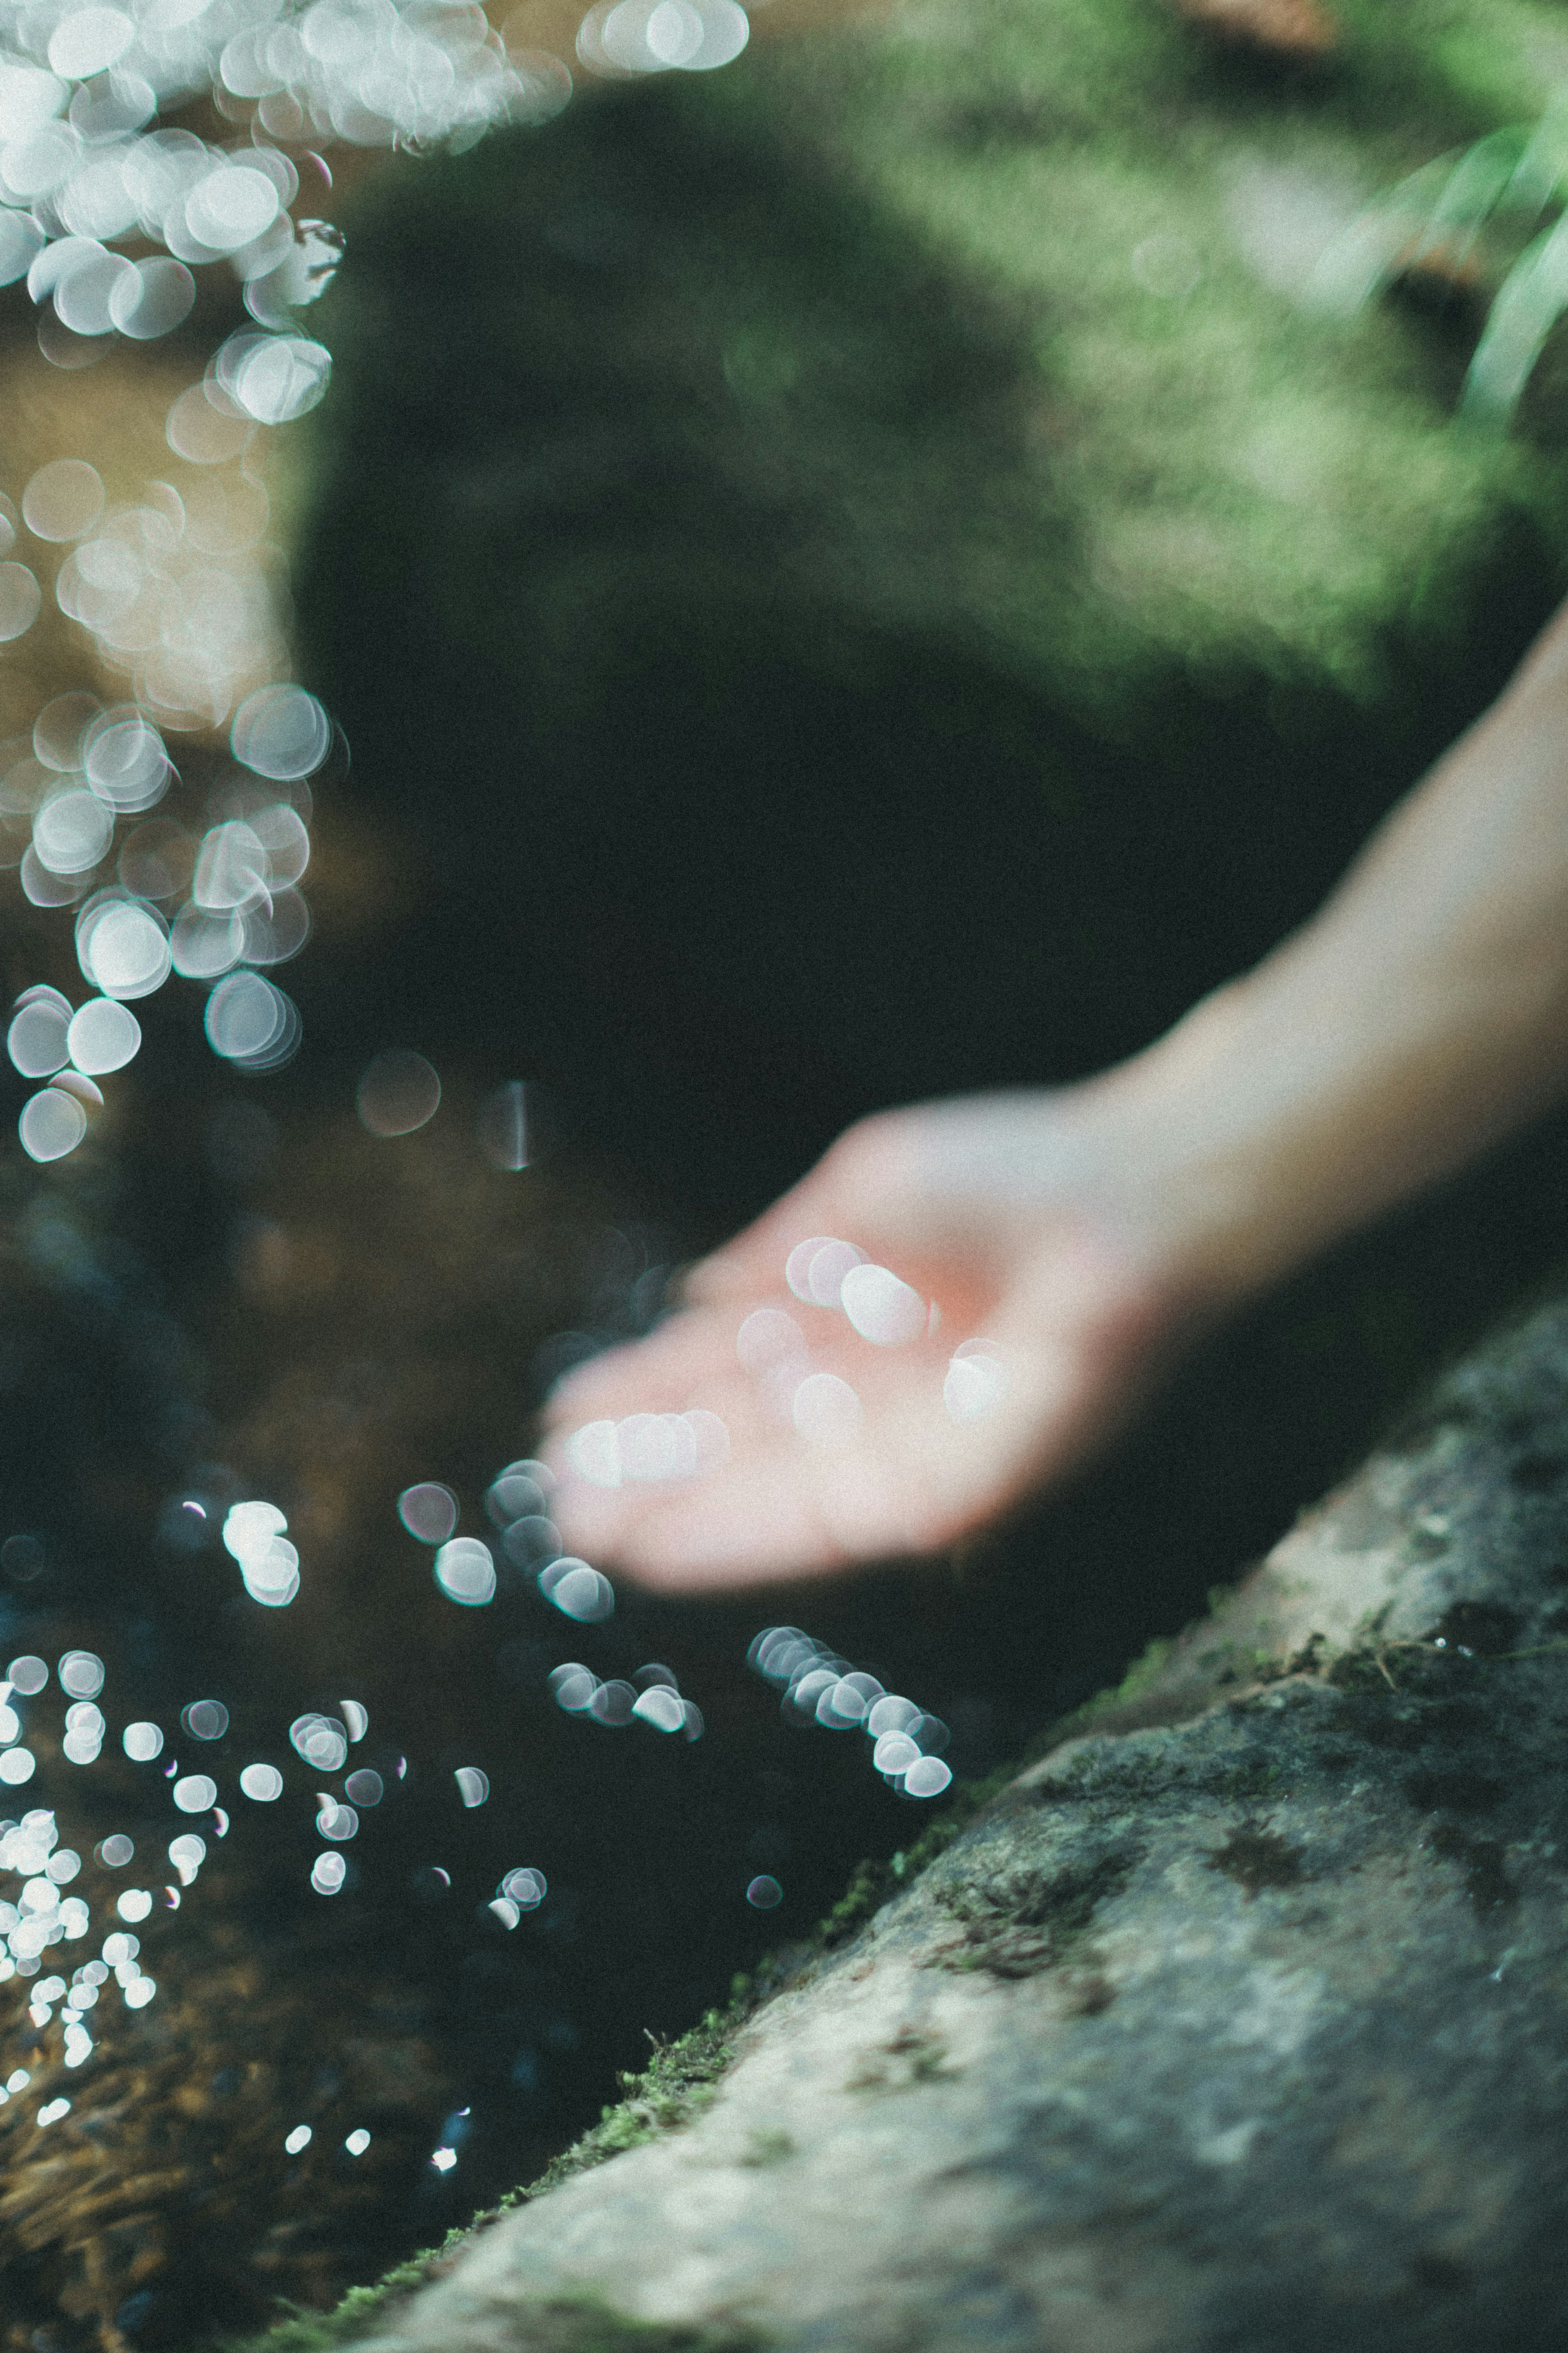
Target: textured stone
x,y
1239,2021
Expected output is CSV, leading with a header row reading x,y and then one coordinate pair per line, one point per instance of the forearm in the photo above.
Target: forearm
x,y
1420,1015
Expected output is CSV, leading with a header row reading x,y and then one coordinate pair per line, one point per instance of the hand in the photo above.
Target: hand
x,y
1001,1312
1020,1265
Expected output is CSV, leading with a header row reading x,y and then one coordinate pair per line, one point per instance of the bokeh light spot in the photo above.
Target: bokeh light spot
x,y
123,948
250,1022
882,1309
814,1269
768,1336
399,1093
281,732
36,1039
21,601
826,1410
103,1036
976,1381
321,1740
578,1591
51,1125
63,498
465,1571
428,1510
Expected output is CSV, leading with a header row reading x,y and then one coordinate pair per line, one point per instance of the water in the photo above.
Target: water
x,y
310,1264
241,1293
250,1296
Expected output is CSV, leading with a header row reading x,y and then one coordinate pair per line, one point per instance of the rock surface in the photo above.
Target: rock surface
x,y
1239,2021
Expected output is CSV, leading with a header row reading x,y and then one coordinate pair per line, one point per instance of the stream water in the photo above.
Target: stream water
x,y
376,1898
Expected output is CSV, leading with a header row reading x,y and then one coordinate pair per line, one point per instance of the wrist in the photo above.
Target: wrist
x,y
1193,1157
1336,1079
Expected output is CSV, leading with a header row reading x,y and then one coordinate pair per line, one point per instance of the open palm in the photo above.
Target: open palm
x,y
940,1316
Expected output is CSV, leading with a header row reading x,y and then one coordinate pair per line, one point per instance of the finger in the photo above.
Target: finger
x,y
907,1481
936,1455
597,1505
859,1191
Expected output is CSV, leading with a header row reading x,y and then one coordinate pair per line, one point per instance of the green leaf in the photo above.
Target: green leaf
x,y
1529,302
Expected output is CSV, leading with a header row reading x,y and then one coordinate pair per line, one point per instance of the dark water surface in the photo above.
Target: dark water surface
x,y
240,1291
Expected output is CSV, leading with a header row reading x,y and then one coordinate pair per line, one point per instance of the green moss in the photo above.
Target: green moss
x,y
1015,1927
875,1884
807,439
1139,1678
1145,1671
672,2091
361,2309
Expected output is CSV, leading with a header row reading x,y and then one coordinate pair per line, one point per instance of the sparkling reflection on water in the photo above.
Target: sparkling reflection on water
x,y
358,1834
334,1914
352,1834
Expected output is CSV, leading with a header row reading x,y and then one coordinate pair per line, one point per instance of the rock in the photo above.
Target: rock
x,y
1239,2020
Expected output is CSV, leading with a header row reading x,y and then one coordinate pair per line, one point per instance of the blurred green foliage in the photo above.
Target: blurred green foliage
x,y
894,543
1055,371
1199,456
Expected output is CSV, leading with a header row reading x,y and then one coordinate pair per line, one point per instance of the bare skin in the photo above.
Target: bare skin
x,y
1082,1235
